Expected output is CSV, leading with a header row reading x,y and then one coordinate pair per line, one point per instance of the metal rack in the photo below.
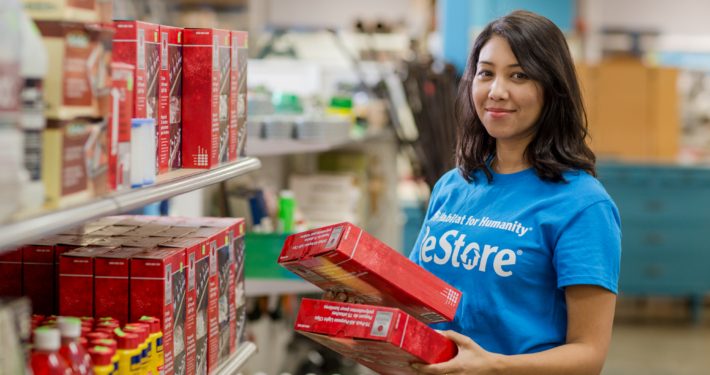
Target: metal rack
x,y
236,361
25,229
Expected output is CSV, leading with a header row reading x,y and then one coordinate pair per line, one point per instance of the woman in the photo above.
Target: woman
x,y
522,227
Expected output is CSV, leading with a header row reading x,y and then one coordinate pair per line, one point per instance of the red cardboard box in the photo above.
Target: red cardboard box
x,y
122,95
193,248
238,95
386,340
170,96
11,273
76,281
38,276
158,289
237,317
345,258
137,43
111,283
206,74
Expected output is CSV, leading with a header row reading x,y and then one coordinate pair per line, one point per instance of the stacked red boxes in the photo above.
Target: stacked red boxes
x,y
11,273
76,281
120,125
205,117
111,283
137,43
238,95
157,288
387,340
170,96
193,247
38,276
344,258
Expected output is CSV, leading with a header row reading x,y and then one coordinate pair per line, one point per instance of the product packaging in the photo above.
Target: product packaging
x,y
111,283
158,289
238,95
345,258
386,340
38,276
75,53
170,97
11,273
138,43
206,77
120,129
76,281
63,10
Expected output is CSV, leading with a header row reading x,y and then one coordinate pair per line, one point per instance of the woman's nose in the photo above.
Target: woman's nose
x,y
498,90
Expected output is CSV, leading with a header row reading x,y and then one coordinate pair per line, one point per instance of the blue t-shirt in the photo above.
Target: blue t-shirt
x,y
511,246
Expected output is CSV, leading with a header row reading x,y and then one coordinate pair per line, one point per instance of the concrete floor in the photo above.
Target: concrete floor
x,y
659,349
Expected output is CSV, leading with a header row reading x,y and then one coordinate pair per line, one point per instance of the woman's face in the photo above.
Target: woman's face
x,y
507,101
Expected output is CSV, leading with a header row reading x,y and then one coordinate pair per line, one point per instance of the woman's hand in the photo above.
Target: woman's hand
x,y
471,359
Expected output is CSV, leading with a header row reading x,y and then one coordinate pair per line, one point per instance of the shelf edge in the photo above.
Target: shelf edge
x,y
237,360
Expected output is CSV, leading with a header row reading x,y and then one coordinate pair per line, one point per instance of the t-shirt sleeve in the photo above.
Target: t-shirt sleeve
x,y
588,249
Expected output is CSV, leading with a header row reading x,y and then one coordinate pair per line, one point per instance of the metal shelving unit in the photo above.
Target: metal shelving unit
x,y
25,229
273,147
235,362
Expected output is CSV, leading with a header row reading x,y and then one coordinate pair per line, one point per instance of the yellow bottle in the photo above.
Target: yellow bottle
x,y
156,336
111,345
144,345
101,357
129,353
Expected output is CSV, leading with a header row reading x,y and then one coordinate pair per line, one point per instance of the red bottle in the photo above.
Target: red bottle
x,y
71,349
45,357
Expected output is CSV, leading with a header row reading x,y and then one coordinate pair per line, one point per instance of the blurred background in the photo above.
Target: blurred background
x,y
351,113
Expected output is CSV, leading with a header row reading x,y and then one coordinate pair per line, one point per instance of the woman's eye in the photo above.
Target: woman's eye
x,y
520,76
485,73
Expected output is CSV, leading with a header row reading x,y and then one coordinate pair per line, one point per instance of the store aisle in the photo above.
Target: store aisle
x,y
667,349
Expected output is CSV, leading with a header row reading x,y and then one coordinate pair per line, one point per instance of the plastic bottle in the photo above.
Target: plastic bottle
x,y
111,344
45,357
129,354
145,347
75,354
156,335
287,211
101,356
32,121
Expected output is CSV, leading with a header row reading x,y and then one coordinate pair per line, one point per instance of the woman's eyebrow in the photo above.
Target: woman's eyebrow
x,y
516,65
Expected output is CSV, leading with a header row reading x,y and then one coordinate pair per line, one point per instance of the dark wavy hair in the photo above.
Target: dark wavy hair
x,y
559,143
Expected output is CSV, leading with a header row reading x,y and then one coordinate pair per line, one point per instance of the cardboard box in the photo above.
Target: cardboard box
x,y
11,273
69,87
206,75
193,247
171,96
38,276
138,43
386,340
62,10
76,281
238,95
122,94
111,283
157,288
74,161
237,317
345,258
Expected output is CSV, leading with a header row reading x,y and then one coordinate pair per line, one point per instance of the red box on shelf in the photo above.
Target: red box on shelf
x,y
11,273
238,95
345,258
158,289
76,281
38,276
122,76
386,340
170,96
138,43
193,247
205,117
111,283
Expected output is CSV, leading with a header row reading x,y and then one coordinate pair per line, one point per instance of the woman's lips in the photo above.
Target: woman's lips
x,y
499,112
